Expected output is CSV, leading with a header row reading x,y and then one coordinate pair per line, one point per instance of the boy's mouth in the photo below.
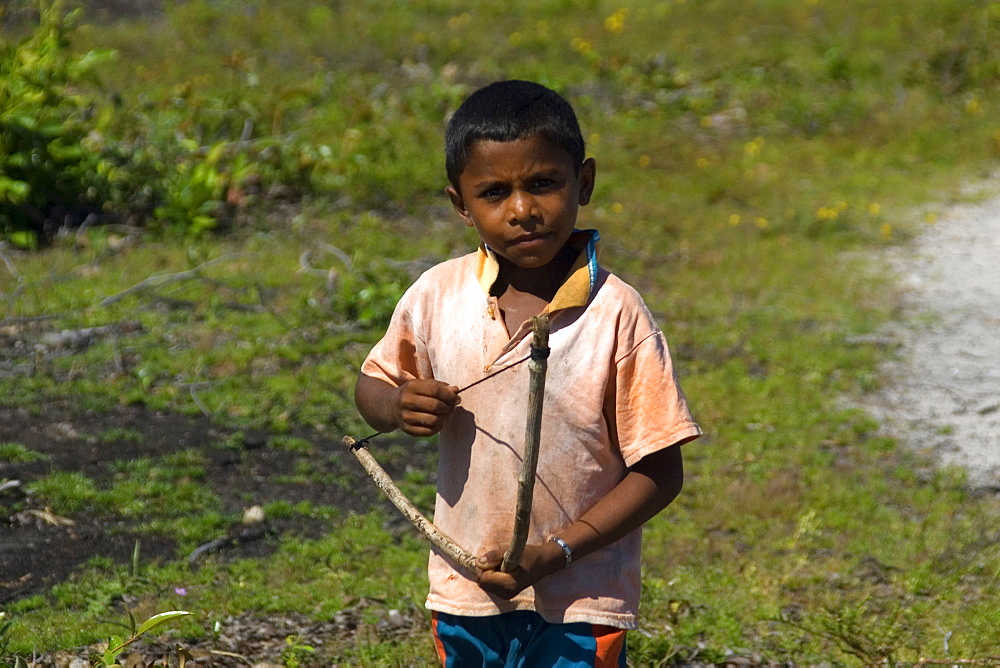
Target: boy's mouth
x,y
529,239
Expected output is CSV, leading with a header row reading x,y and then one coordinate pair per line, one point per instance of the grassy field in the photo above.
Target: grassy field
x,y
753,158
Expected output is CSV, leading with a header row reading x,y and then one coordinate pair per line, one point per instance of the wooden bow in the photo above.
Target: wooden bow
x,y
537,366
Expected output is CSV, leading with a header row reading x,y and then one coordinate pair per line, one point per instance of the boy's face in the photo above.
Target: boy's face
x,y
522,197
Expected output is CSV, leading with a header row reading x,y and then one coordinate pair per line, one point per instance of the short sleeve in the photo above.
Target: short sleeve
x,y
400,355
650,411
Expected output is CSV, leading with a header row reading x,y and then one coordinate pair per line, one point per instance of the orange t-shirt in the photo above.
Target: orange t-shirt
x,y
611,398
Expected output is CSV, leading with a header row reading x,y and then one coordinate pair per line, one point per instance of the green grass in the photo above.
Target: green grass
x,y
119,434
15,452
318,578
751,160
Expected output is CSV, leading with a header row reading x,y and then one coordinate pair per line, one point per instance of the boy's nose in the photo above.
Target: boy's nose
x,y
522,207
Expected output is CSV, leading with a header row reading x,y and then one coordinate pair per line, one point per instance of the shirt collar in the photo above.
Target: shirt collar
x,y
579,283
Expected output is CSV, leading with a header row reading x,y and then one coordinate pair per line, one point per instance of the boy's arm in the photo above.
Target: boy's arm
x,y
646,489
419,407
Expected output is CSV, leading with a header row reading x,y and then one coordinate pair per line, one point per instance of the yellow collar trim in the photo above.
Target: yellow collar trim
x,y
579,283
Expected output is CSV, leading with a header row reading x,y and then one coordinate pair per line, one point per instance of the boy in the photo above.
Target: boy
x,y
614,416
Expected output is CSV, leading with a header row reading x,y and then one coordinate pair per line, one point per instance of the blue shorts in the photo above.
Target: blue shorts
x,y
522,639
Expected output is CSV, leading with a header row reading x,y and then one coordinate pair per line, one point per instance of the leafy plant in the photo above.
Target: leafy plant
x,y
117,644
5,660
297,653
368,297
70,154
49,175
870,630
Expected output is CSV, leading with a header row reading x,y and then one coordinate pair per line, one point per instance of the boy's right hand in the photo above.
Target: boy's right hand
x,y
423,405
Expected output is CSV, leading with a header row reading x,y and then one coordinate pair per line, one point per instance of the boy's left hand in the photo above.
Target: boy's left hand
x,y
537,561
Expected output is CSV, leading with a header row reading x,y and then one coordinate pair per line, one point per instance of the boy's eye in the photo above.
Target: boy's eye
x,y
492,193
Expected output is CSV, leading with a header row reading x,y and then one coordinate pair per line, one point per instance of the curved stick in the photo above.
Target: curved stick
x,y
526,480
423,525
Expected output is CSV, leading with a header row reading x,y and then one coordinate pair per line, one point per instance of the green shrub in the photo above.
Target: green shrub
x,y
49,174
70,153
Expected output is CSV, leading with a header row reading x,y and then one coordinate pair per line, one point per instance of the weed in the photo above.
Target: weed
x,y
120,435
5,625
117,644
66,492
872,631
291,444
297,653
17,453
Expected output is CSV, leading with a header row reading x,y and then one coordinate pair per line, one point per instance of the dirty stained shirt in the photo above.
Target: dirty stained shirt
x,y
611,398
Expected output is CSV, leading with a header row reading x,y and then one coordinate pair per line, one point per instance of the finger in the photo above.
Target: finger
x,y
429,390
490,561
438,390
451,395
423,417
425,405
418,430
428,422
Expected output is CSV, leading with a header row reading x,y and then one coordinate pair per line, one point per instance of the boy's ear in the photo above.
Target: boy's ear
x,y
588,174
459,203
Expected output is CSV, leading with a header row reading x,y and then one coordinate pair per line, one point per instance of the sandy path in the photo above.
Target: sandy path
x,y
943,394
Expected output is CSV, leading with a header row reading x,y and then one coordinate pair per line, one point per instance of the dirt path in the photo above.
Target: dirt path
x,y
943,394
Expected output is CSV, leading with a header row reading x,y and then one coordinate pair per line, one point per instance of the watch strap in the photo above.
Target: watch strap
x,y
567,550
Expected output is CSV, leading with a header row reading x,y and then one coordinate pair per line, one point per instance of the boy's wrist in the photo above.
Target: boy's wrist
x,y
395,412
555,555
565,550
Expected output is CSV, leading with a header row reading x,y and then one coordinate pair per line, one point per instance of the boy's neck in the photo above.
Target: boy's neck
x,y
540,282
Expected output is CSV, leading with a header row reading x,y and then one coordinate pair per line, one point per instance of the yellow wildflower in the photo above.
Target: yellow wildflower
x,y
616,22
827,213
644,160
752,148
456,22
734,219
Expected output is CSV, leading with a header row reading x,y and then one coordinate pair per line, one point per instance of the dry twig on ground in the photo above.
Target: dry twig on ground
x,y
167,279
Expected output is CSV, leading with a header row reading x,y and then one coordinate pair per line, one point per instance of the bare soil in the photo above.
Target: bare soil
x,y
39,549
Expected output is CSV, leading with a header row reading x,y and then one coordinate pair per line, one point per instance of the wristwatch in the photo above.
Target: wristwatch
x,y
567,550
